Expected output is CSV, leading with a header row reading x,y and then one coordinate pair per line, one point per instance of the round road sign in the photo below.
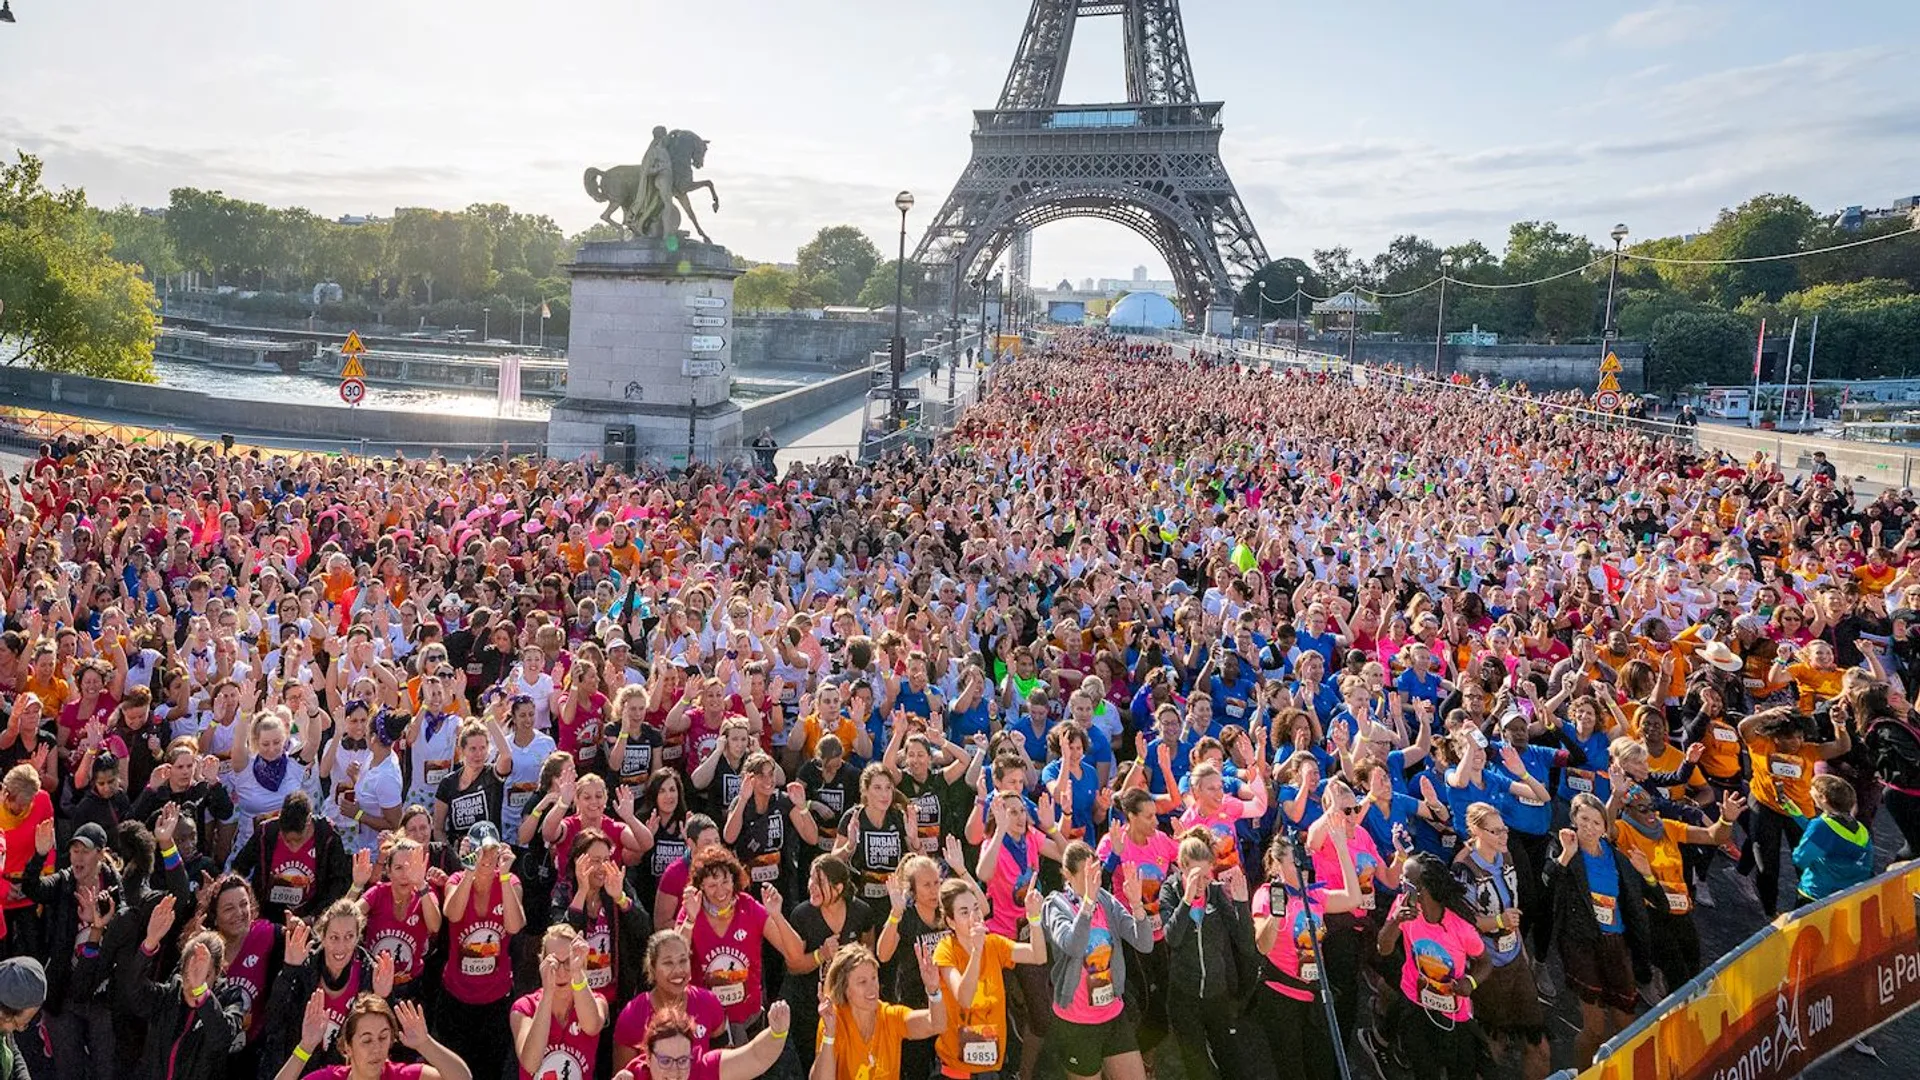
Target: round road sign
x,y
1606,400
353,391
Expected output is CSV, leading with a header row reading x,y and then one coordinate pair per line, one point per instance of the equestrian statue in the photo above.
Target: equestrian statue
x,y
645,193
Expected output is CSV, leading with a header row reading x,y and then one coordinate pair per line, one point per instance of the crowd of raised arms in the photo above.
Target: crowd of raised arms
x,y
1164,702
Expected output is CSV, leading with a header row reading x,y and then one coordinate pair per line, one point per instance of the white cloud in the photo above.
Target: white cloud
x,y
1662,26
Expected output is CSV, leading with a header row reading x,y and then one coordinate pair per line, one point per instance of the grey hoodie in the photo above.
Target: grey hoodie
x,y
1069,925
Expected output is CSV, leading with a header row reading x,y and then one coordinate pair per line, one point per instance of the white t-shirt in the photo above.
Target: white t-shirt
x,y
378,791
252,798
527,761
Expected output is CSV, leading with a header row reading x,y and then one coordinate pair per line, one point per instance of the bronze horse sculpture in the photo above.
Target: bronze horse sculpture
x,y
645,193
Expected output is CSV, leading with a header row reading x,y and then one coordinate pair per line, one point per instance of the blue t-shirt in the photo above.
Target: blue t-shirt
x,y
1380,825
1326,644
1233,702
1603,881
1591,776
1080,814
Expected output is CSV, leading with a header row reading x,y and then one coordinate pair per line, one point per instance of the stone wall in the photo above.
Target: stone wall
x,y
1542,367
797,341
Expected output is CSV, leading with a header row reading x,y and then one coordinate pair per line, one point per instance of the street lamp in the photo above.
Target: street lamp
x,y
1299,328
486,324
902,202
1607,330
1440,326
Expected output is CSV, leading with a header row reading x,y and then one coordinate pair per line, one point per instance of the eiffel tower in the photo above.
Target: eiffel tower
x,y
1151,163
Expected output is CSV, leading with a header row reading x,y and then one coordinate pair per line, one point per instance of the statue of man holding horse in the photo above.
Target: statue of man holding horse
x,y
645,194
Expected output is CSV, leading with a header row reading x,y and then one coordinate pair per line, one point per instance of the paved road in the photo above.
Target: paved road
x,y
837,430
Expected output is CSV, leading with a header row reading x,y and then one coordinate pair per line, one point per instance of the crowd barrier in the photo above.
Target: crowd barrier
x,y
1804,986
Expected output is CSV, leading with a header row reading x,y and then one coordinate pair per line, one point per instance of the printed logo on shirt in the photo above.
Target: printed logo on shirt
x,y
1098,966
727,973
1436,976
563,1063
480,949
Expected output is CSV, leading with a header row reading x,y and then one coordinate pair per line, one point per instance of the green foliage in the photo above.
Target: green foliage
x,y
1700,348
140,240
1279,279
70,305
878,290
1763,225
763,288
837,262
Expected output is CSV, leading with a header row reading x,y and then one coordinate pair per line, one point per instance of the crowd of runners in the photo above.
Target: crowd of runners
x,y
1162,706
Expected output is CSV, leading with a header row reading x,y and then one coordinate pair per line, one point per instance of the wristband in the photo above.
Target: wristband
x,y
933,996
825,1040
199,991
893,919
580,985
783,1034
505,879
301,1053
359,816
170,858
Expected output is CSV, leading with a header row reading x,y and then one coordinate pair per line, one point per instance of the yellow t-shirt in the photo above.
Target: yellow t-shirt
x,y
1669,872
962,1044
857,1057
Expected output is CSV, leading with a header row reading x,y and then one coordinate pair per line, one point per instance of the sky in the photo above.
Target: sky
x,y
1346,123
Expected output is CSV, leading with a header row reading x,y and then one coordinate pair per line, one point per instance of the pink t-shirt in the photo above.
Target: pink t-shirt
x,y
1226,852
1012,879
582,737
1292,950
1437,955
702,1008
404,935
570,1052
392,1070
247,973
479,968
1094,997
1366,864
1151,860
728,962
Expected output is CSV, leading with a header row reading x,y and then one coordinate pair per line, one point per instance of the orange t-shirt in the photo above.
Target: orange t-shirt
x,y
1778,777
857,1057
1875,581
962,1044
811,729
54,694
1663,854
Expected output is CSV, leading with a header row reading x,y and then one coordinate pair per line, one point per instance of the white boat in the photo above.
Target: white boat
x,y
541,377
235,353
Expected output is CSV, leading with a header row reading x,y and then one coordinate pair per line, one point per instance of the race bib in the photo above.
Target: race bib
x,y
478,966
730,994
1435,1001
438,771
1366,900
1727,735
1309,972
1506,942
1100,996
766,868
1605,909
1679,902
518,799
285,895
1236,708
874,890
1526,799
599,977
1580,780
977,1050
1785,770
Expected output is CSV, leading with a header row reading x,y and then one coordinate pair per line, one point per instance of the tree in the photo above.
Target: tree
x,y
1763,225
878,290
70,305
141,240
1279,280
763,288
1558,309
840,258
222,237
1700,348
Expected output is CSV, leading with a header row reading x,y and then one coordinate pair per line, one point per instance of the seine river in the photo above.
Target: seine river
x,y
317,390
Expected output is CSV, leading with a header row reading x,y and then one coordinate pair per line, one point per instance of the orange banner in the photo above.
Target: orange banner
x,y
1807,985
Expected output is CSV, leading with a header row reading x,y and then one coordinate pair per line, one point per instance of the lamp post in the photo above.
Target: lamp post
x,y
1299,328
486,324
1607,330
522,306
902,202
1440,324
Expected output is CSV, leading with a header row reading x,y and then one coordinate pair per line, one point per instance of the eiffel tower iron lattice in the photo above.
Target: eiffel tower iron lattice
x,y
1151,163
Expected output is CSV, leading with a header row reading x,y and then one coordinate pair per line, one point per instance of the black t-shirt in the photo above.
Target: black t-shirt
x,y
902,971
634,761
763,838
930,799
723,787
877,850
836,795
814,932
474,803
669,845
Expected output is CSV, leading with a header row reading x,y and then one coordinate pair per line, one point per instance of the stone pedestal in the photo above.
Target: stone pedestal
x,y
644,314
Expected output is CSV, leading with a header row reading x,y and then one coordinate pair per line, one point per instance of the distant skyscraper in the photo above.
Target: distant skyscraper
x,y
1139,273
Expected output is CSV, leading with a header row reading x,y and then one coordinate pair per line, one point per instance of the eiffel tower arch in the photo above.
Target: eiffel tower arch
x,y
1151,163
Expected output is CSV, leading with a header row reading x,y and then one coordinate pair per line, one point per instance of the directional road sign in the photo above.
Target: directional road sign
x,y
707,343
699,369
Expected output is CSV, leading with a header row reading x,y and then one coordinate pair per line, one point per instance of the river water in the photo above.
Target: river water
x,y
319,390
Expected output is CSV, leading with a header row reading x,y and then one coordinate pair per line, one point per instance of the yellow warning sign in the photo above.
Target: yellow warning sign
x,y
354,347
352,369
1611,365
1608,382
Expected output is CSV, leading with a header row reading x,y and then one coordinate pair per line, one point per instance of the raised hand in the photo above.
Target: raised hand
x,y
413,1025
160,922
770,899
313,1021
43,837
362,868
383,972
897,893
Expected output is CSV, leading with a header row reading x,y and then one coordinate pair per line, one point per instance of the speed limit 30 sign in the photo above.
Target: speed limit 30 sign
x,y
353,391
